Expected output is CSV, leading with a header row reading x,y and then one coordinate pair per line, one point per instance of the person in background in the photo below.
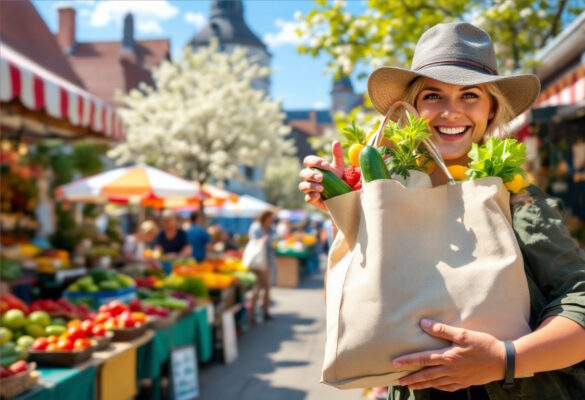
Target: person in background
x,y
172,241
198,238
262,229
136,244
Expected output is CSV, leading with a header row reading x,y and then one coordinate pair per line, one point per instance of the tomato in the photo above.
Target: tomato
x,y
102,317
125,316
40,343
75,332
52,347
81,344
87,327
354,154
65,344
18,367
117,307
98,330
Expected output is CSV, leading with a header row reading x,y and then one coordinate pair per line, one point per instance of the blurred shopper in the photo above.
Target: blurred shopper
x,y
262,229
135,245
198,238
172,240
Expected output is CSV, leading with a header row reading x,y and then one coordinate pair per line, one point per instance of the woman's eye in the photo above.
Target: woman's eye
x,y
430,96
470,96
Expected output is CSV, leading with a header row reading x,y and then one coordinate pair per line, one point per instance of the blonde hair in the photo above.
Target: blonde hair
x,y
503,110
148,227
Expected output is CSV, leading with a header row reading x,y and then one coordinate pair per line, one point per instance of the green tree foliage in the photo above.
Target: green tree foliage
x,y
387,32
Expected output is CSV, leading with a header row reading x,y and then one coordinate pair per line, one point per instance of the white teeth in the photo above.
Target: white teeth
x,y
452,131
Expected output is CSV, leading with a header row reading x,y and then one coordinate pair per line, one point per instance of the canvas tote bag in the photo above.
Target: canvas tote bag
x,y
254,256
403,253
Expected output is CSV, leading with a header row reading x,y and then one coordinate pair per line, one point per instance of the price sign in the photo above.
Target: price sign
x,y
185,373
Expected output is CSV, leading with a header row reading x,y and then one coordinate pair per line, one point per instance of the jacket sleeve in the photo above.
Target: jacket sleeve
x,y
553,258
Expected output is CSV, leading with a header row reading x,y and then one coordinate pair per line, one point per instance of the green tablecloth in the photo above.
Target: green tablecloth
x,y
192,329
63,384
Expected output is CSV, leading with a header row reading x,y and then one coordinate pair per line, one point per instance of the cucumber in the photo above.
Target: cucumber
x,y
372,165
332,184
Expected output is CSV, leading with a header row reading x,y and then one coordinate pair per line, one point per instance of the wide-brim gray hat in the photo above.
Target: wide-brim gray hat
x,y
457,53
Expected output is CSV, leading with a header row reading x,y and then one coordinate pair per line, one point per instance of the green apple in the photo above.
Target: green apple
x,y
5,335
13,319
39,317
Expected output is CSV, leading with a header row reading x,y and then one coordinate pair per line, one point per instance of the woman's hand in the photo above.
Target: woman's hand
x,y
474,358
310,184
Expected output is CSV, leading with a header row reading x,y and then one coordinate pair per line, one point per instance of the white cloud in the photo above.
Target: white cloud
x,y
319,105
149,27
145,12
196,19
286,34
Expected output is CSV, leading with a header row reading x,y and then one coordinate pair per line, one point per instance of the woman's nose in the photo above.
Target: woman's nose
x,y
450,111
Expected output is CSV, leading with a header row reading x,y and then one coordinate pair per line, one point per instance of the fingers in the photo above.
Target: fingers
x,y
314,161
443,331
421,359
309,175
337,152
309,187
426,378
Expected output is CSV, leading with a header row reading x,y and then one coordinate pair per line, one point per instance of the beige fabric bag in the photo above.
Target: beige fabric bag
x,y
448,253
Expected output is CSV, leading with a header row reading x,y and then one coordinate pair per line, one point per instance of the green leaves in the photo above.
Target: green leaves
x,y
497,157
352,134
406,152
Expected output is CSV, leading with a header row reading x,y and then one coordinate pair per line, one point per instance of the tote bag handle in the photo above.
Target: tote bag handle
x,y
431,147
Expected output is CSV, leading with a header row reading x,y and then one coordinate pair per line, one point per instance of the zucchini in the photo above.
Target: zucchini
x,y
372,165
332,184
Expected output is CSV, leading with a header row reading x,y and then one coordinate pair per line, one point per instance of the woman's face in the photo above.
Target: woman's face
x,y
458,115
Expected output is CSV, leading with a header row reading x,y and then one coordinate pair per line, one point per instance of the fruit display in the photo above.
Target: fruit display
x,y
9,301
51,261
60,307
17,378
9,269
101,280
118,318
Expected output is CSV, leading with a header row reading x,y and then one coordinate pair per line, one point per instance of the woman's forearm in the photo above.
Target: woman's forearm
x,y
557,343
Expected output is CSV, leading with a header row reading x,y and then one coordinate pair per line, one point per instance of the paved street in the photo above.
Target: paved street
x,y
280,359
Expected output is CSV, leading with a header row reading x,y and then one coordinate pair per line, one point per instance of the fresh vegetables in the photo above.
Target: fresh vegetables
x,y
372,165
407,152
497,157
332,184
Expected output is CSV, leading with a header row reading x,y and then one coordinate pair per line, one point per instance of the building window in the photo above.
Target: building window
x,y
249,172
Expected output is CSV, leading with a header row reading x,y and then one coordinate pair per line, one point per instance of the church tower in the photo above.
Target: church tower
x,y
226,24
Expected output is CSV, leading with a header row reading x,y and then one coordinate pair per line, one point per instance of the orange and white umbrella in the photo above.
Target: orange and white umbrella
x,y
138,184
215,196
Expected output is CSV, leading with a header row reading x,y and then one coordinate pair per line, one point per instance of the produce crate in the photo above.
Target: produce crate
x,y
128,334
60,358
20,383
97,299
103,342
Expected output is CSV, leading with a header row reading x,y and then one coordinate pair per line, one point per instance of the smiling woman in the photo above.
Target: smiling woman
x,y
455,86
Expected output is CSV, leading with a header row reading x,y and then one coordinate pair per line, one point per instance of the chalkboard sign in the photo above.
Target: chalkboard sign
x,y
184,373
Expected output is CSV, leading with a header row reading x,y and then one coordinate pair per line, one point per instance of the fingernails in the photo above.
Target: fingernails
x,y
426,323
396,364
325,164
318,177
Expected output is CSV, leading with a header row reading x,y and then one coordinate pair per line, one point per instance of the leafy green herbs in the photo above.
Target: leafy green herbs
x,y
497,157
406,152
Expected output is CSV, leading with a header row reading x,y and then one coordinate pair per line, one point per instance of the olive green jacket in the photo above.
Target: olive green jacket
x,y
555,268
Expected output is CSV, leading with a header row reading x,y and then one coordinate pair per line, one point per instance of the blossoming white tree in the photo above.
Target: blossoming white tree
x,y
203,118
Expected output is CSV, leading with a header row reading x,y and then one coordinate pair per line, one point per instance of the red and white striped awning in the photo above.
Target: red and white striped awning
x,y
39,88
569,90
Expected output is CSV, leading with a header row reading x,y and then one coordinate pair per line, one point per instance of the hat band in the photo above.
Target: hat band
x,y
464,63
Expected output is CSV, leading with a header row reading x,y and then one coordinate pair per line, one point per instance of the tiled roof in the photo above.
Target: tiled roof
x,y
105,67
23,29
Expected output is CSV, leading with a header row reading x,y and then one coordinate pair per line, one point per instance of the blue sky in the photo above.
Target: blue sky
x,y
298,80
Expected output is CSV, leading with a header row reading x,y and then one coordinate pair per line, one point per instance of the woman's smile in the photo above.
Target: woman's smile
x,y
458,115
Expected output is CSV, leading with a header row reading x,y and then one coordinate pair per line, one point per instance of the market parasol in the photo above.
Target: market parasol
x,y
139,184
245,207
